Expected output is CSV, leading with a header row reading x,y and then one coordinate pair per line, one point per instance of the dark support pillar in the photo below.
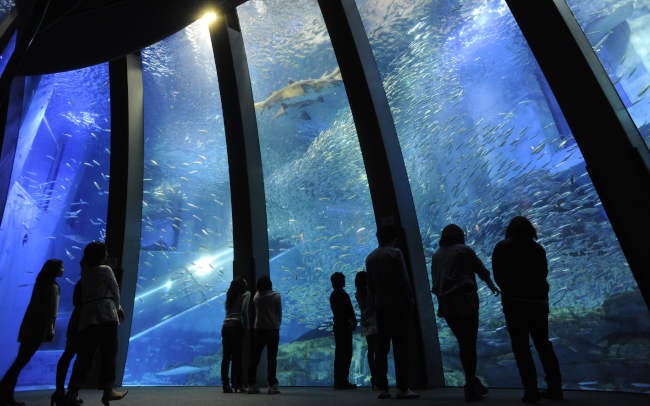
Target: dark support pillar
x,y
251,256
7,30
123,225
10,121
618,161
387,177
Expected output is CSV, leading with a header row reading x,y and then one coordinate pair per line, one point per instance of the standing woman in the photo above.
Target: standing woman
x,y
37,326
232,334
99,316
520,269
368,321
453,267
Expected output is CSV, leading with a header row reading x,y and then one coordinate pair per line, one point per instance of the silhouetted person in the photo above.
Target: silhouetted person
x,y
71,347
453,267
37,326
389,293
368,321
345,322
232,334
520,269
99,316
266,333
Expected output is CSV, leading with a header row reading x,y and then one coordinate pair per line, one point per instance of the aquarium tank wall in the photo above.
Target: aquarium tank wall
x,y
482,138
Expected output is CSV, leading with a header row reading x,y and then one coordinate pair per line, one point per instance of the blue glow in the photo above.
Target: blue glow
x,y
186,249
57,199
619,32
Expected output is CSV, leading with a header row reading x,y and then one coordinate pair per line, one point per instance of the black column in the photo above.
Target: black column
x,y
123,225
389,186
10,121
617,159
250,240
7,30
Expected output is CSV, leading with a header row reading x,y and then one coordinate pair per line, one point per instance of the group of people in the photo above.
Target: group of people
x,y
92,327
384,296
266,316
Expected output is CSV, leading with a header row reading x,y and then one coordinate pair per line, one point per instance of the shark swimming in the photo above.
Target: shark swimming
x,y
300,94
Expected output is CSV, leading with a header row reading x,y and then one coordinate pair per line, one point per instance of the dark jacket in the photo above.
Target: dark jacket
x,y
520,269
389,285
40,316
342,309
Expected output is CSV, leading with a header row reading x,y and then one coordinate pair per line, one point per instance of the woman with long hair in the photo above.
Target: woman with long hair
x,y
520,269
232,334
37,326
453,269
99,316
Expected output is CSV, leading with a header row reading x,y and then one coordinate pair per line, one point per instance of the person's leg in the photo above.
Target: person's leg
x,y
62,368
227,345
371,340
347,356
108,353
518,328
8,384
236,354
381,356
88,342
550,363
257,348
339,377
400,350
273,342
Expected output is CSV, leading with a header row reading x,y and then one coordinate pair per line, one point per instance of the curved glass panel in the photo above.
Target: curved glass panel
x,y
319,210
57,198
619,32
484,140
186,248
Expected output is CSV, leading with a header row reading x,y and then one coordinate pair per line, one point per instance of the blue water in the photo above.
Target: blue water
x,y
482,137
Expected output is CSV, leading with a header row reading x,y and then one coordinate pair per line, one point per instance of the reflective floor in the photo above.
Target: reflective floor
x,y
162,396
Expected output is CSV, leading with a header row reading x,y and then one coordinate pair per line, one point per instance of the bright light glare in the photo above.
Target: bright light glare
x,y
209,17
205,265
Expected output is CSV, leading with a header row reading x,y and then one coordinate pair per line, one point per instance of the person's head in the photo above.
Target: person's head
x,y
94,254
52,268
361,280
237,287
338,280
386,234
520,228
264,284
452,235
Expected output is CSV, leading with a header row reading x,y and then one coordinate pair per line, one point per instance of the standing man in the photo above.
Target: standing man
x,y
344,323
390,293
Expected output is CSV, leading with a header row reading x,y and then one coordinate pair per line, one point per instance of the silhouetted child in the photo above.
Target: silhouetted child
x,y
344,323
266,333
520,269
368,321
453,269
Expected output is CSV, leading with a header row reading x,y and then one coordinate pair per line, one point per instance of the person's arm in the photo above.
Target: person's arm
x,y
279,304
54,294
406,280
115,294
498,266
483,273
245,298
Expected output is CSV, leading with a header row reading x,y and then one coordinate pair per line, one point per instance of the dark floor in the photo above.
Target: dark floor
x,y
163,396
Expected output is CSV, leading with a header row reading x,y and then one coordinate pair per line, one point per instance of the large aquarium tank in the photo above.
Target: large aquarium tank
x,y
186,250
56,166
482,136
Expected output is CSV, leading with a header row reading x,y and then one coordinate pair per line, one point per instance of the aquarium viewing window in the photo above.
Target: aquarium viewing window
x,y
480,133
